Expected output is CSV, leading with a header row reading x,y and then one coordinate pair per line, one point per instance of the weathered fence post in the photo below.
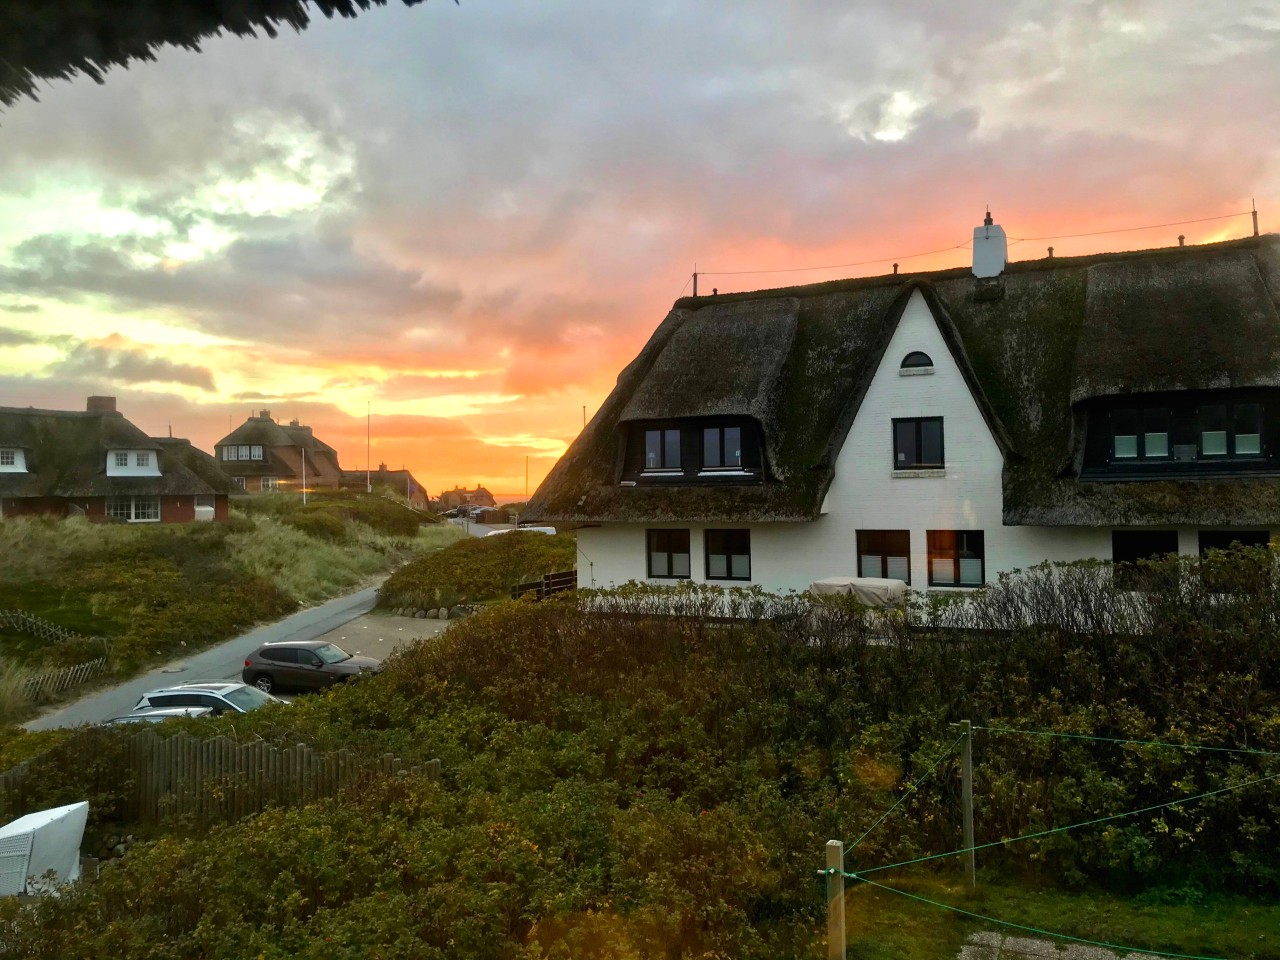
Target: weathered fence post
x,y
835,900
966,795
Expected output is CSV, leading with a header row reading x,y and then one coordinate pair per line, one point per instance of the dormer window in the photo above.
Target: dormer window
x,y
722,448
143,459
13,460
661,450
121,458
8,458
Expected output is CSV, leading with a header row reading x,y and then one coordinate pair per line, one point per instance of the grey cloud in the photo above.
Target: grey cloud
x,y
20,307
10,337
86,361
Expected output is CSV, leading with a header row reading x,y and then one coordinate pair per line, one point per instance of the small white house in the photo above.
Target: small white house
x,y
941,428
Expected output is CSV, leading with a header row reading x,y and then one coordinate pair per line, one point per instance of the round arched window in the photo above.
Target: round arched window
x,y
916,359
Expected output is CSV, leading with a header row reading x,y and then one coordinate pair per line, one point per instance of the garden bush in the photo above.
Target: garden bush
x,y
653,773
479,568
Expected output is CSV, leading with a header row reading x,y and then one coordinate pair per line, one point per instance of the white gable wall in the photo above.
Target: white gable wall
x,y
865,494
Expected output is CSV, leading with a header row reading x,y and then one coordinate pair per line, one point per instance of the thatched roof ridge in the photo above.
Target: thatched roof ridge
x,y
1024,354
66,456
181,451
57,39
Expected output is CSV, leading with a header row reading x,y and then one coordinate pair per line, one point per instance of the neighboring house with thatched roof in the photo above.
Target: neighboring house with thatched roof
x,y
261,456
401,481
462,497
940,428
95,463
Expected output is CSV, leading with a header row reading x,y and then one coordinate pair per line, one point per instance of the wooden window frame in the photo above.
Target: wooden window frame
x,y
941,550
867,539
663,439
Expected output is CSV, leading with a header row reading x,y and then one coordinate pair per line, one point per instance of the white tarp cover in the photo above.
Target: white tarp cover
x,y
33,845
873,591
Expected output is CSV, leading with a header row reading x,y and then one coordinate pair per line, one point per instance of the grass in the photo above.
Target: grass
x,y
881,925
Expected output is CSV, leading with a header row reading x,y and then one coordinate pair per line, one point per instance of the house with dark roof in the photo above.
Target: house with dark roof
x,y
940,428
462,497
262,455
400,481
97,464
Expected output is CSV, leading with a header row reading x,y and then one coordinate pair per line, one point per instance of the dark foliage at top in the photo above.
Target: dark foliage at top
x,y
56,39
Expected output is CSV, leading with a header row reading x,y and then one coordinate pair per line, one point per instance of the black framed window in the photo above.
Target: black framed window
x,y
916,359
668,553
1130,547
917,443
1140,434
885,553
722,448
1246,432
957,558
1213,430
1124,434
662,450
728,554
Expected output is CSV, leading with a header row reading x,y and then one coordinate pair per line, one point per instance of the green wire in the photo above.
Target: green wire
x,y
910,790
1144,743
1073,826
1038,930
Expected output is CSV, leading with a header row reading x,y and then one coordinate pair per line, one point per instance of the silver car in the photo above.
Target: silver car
x,y
220,696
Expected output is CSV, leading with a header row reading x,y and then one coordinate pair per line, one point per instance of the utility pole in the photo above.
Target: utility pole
x,y
835,900
1254,204
304,476
966,796
584,416
368,446
695,279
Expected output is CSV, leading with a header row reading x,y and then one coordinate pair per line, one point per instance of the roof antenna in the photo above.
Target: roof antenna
x,y
171,431
988,221
1254,203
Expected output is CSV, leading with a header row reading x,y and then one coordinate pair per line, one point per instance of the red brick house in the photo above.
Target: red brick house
x,y
261,455
461,497
95,463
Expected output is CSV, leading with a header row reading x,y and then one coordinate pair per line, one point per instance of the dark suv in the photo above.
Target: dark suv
x,y
303,665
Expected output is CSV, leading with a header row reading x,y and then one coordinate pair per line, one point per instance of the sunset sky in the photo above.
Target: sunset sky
x,y
471,217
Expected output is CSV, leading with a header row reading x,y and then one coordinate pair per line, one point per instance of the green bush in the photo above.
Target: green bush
x,y
478,568
317,524
653,773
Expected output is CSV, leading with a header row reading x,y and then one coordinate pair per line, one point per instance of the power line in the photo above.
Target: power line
x,y
832,266
1037,930
1150,226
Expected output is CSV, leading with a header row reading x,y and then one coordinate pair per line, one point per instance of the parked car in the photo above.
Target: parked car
x,y
159,714
303,665
549,531
220,696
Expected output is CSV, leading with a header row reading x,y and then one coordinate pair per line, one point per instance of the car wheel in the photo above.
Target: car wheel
x,y
264,682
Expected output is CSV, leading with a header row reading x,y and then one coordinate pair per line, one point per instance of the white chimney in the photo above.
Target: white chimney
x,y
990,249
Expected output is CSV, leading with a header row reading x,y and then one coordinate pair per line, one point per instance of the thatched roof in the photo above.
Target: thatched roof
x,y
1063,330
264,432
66,455
56,39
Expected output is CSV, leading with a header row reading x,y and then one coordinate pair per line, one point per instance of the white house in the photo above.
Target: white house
x,y
940,428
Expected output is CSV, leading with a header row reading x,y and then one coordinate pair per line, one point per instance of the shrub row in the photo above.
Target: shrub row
x,y
479,568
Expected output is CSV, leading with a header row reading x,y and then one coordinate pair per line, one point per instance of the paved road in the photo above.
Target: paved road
x,y
479,529
218,663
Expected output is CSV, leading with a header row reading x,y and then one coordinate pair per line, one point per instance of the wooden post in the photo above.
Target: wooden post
x,y
966,793
835,901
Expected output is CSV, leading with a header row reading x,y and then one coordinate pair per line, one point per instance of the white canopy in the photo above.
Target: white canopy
x,y
33,845
873,591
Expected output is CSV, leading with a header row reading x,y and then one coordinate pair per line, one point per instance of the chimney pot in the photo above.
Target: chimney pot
x,y
895,268
100,405
264,414
990,249
1051,253
1182,239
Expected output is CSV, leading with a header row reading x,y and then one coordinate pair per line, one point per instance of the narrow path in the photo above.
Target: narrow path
x,y
217,663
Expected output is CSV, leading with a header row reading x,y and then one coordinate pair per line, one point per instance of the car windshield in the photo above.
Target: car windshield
x,y
331,654
247,698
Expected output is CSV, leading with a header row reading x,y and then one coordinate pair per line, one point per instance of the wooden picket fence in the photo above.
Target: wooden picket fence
x,y
215,780
53,682
549,585
18,621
